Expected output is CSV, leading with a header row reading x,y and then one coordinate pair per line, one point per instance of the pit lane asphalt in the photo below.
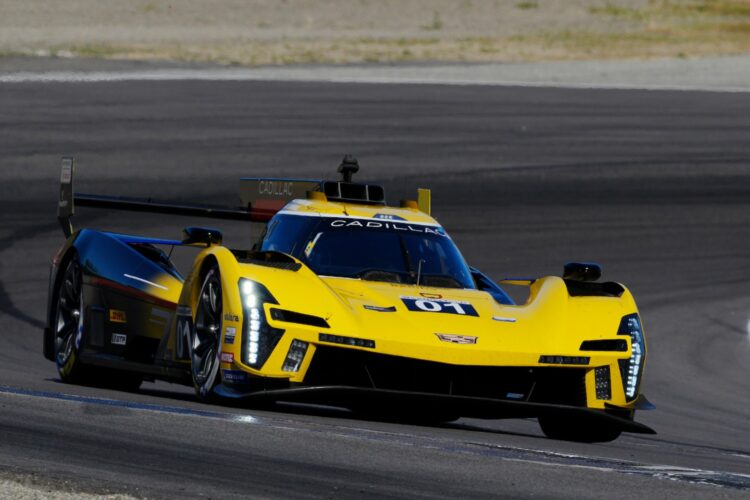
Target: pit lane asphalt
x,y
654,185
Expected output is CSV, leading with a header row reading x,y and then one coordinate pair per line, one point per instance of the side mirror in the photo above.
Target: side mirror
x,y
198,236
485,284
582,271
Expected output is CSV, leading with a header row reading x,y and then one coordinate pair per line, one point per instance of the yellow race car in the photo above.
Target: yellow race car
x,y
343,301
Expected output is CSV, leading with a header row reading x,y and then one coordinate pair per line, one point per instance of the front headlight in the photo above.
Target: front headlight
x,y
259,338
632,368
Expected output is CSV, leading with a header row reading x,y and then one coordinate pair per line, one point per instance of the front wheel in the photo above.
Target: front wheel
x,y
206,337
579,429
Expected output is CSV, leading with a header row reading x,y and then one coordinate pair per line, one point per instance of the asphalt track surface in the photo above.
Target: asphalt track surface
x,y
655,185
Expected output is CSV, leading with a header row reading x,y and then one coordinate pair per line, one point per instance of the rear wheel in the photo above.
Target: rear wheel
x,y
69,325
70,328
206,337
579,429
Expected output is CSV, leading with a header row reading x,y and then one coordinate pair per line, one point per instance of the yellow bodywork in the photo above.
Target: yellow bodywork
x,y
550,323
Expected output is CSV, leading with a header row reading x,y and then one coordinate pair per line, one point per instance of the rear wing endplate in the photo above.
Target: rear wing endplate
x,y
65,207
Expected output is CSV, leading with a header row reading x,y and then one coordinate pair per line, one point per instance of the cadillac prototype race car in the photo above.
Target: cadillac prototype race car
x,y
344,301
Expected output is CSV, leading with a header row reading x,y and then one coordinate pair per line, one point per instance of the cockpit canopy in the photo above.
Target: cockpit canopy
x,y
370,249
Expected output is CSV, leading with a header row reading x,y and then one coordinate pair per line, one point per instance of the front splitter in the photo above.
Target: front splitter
x,y
461,406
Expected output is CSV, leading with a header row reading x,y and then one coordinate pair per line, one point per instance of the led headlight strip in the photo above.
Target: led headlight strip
x,y
259,338
632,368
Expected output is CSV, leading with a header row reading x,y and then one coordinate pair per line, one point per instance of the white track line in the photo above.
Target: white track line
x,y
403,76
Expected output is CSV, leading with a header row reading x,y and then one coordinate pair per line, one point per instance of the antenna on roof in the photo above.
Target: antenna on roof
x,y
349,166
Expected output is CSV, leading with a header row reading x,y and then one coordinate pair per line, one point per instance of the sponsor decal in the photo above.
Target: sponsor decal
x,y
275,188
431,295
231,317
387,217
229,335
456,339
234,375
226,357
422,304
116,316
66,175
119,339
396,226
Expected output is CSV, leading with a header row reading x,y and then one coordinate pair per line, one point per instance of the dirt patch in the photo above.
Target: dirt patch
x,y
259,32
32,486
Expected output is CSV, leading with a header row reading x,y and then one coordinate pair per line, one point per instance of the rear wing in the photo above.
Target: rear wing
x,y
261,198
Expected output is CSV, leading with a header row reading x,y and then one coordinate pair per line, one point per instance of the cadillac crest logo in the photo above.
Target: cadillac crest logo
x,y
456,339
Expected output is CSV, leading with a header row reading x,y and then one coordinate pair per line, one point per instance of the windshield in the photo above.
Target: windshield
x,y
370,249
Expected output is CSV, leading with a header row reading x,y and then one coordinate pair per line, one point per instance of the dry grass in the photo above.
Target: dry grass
x,y
600,30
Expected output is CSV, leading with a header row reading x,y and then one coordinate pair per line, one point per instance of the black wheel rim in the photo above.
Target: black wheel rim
x,y
207,332
69,316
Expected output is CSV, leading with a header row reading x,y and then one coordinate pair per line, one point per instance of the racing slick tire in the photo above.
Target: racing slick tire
x,y
205,341
69,325
578,429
